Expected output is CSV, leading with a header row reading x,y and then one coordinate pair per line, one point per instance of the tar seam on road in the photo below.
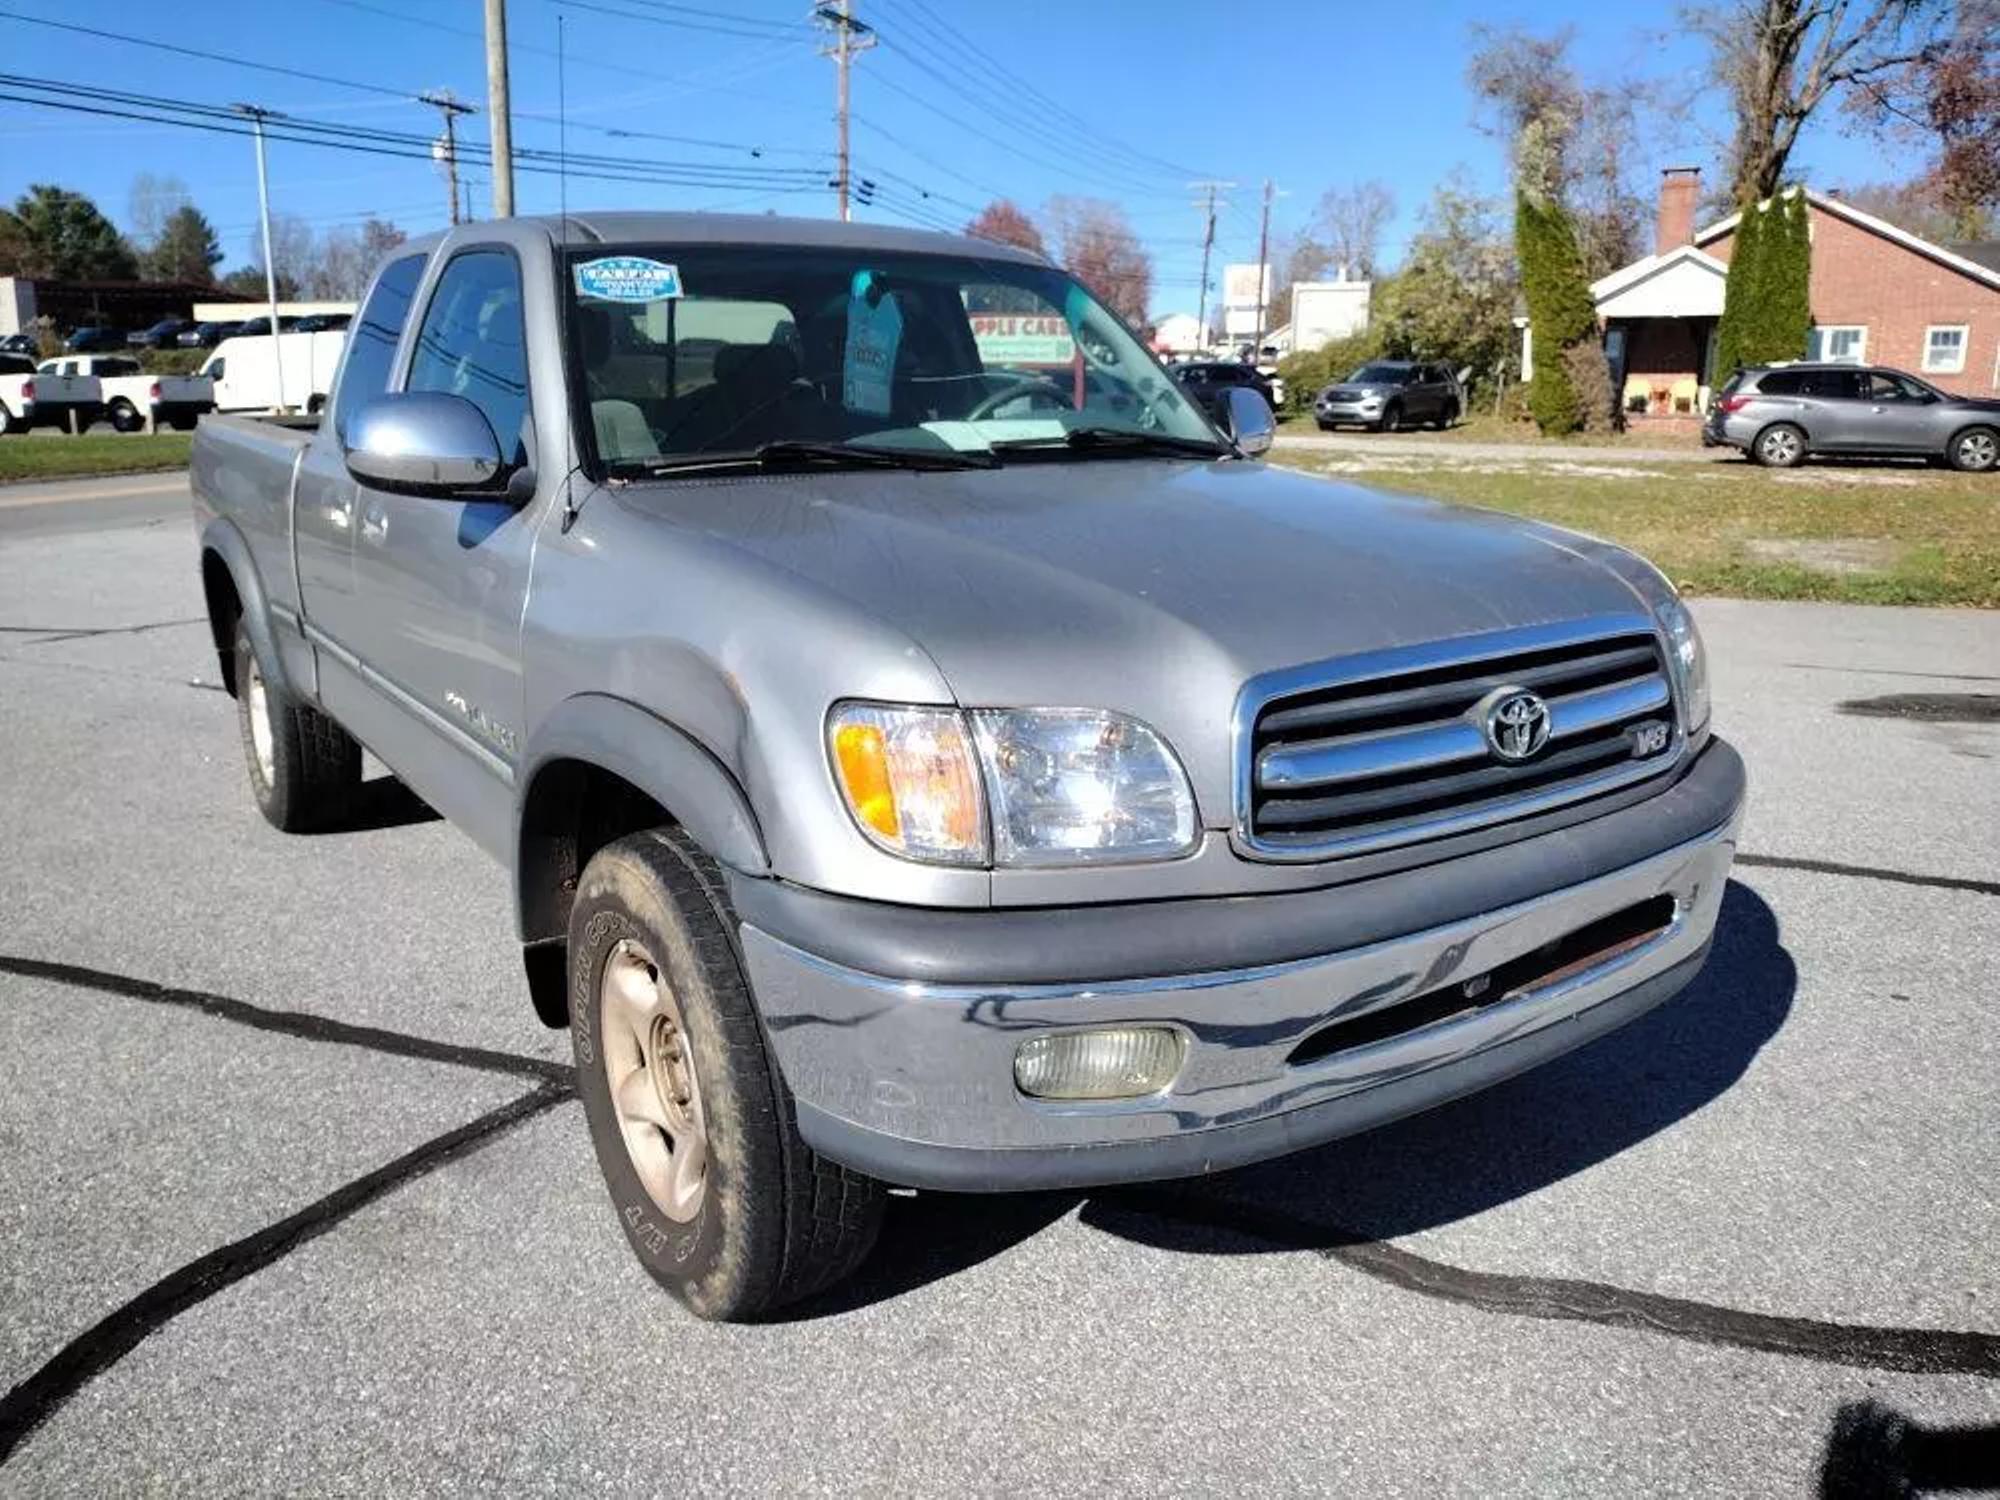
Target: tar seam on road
x,y
289,1022
1917,1351
1869,872
83,1358
47,635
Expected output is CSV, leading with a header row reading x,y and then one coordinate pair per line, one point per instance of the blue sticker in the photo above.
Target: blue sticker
x,y
627,278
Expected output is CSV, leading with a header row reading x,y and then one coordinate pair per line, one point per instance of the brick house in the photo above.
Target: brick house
x,y
1880,295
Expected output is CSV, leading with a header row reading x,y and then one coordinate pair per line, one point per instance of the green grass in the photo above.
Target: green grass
x,y
1859,534
1485,427
60,456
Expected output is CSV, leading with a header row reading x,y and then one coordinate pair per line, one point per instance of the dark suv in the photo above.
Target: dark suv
x,y
1210,381
1778,414
1386,394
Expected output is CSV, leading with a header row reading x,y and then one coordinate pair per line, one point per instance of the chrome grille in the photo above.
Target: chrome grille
x,y
1391,747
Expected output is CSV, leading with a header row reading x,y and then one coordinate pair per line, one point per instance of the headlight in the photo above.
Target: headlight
x,y
1064,786
1069,785
910,780
1688,659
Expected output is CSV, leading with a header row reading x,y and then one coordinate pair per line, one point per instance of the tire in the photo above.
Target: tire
x,y
1779,446
1975,450
751,1218
1327,426
1391,420
304,768
124,416
1447,416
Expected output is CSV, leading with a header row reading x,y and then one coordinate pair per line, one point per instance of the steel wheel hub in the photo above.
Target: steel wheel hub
x,y
649,1066
261,736
1978,451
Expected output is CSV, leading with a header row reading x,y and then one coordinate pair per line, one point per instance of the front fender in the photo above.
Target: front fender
x,y
610,734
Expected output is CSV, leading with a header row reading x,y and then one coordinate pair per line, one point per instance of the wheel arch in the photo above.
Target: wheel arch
x,y
232,591
597,769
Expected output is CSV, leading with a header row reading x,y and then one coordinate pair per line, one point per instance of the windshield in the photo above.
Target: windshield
x,y
685,352
1380,375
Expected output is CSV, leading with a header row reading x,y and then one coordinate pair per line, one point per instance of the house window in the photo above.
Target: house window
x,y
1944,348
1838,342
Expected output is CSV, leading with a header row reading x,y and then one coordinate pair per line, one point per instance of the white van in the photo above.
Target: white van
x,y
246,380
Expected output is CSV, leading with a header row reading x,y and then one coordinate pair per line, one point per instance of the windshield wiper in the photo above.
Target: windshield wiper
x,y
800,453
1117,439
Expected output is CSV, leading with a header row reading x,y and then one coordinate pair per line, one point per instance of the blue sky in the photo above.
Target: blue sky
x,y
1129,102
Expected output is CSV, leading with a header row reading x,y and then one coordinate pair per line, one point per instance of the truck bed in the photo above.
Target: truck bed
x,y
241,469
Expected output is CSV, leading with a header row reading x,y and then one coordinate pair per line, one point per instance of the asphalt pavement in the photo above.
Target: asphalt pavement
x,y
294,1197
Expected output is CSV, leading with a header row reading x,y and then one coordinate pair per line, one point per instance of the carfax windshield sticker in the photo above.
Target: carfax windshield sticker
x,y
627,278
874,333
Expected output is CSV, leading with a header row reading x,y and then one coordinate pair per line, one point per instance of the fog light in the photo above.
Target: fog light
x,y
1121,1062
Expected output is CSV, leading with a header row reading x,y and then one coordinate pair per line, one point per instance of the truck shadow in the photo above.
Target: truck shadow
x,y
380,802
1429,1170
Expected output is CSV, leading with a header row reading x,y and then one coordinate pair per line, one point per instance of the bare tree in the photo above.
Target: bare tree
x,y
1948,101
1349,222
1780,60
1570,141
1098,247
150,202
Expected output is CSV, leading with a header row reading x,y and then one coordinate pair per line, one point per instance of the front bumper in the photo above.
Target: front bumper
x,y
913,1081
1366,413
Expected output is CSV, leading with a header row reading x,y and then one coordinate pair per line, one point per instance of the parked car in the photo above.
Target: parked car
x,y
206,335
1209,382
898,790
164,334
134,400
29,398
1387,394
1781,414
20,343
95,340
321,323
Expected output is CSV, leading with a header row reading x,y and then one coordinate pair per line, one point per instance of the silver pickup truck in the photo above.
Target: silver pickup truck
x,y
927,751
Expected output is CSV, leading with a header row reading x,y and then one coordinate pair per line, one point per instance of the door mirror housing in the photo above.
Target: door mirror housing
x,y
424,443
1248,417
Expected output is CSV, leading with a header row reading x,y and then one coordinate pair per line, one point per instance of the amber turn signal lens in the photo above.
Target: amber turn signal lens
x,y
863,758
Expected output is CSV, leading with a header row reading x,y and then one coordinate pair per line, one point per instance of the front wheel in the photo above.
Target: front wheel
x,y
1780,447
719,1197
1392,419
303,766
1975,450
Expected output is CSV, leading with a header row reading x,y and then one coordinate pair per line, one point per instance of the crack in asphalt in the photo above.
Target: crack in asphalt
x,y
48,634
1869,872
1912,1351
111,1338
297,1023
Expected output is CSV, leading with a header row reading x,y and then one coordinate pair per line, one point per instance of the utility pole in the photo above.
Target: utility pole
x,y
1263,274
499,116
258,117
451,107
850,39
1210,189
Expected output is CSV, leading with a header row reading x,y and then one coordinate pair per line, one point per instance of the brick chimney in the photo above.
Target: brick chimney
x,y
1680,192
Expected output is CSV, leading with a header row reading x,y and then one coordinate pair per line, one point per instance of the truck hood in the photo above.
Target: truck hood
x,y
1152,587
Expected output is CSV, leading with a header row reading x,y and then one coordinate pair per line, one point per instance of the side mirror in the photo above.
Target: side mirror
x,y
1248,417
424,443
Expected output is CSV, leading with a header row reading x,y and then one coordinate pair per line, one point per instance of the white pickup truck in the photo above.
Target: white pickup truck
x,y
29,398
133,399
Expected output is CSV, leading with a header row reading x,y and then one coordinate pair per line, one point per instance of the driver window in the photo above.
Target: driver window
x,y
471,341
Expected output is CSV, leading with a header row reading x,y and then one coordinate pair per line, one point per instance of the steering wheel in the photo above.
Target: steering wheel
x,y
1031,386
